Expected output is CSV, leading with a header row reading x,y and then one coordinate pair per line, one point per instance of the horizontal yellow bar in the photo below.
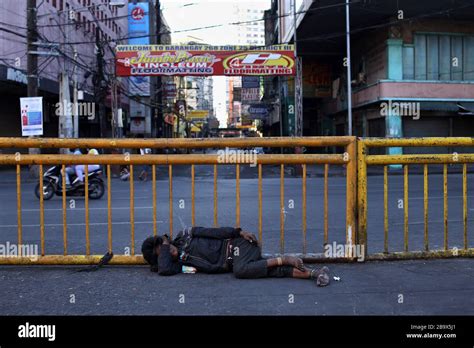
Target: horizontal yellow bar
x,y
10,142
411,142
433,254
138,259
419,159
418,142
71,260
168,159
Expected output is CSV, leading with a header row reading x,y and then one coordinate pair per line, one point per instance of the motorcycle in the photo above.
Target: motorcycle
x,y
52,184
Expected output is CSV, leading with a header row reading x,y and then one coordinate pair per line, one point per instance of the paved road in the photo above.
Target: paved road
x,y
293,236
428,287
435,287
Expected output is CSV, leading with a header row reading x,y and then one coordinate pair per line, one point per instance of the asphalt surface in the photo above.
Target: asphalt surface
x,y
293,235
428,287
435,287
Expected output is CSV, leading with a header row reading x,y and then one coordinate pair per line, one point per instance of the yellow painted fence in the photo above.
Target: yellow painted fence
x,y
354,159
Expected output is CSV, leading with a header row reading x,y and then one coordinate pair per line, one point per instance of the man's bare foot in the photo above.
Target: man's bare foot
x,y
316,272
294,261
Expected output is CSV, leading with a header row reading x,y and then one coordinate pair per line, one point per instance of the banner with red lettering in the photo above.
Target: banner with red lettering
x,y
196,60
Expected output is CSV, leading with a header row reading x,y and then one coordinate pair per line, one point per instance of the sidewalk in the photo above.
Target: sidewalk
x,y
434,287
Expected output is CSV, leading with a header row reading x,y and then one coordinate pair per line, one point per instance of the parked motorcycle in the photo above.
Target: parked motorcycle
x,y
52,184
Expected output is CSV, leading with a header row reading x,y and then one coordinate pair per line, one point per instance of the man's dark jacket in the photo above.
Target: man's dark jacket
x,y
206,249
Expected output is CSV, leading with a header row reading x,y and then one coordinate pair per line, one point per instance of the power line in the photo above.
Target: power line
x,y
212,26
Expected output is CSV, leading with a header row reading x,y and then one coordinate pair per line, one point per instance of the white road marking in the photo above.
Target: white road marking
x,y
98,208
83,224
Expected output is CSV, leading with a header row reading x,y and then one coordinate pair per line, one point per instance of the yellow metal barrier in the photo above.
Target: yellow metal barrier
x,y
364,160
348,159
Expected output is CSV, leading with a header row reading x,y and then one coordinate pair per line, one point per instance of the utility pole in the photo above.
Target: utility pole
x,y
349,72
65,124
32,65
75,101
99,89
158,93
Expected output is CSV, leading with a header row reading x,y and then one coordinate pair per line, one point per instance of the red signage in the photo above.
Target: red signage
x,y
192,60
138,13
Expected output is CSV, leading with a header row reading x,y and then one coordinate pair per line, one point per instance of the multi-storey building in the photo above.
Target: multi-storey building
x,y
412,66
69,32
250,32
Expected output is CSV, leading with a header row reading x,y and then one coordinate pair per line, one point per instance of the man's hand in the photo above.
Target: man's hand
x,y
166,240
249,236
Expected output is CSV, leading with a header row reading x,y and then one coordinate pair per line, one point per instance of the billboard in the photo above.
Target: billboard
x,y
258,111
198,60
138,31
31,116
138,24
169,90
139,85
197,114
250,94
250,82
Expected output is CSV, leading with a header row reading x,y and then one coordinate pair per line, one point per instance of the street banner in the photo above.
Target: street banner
x,y
250,81
199,60
31,116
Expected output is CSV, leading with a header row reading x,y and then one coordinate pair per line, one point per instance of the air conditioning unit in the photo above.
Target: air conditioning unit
x,y
118,3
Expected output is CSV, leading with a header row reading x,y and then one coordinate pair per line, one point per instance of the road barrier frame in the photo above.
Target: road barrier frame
x,y
365,160
347,159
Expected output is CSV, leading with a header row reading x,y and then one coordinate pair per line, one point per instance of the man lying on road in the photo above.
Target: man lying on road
x,y
220,250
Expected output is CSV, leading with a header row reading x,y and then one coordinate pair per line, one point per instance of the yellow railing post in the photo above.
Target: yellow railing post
x,y
362,194
351,195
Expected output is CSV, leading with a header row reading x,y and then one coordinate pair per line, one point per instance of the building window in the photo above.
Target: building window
x,y
439,57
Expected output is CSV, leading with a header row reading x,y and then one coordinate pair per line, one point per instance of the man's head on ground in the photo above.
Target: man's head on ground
x,y
151,249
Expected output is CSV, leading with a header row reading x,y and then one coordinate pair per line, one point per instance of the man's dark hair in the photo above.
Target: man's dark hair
x,y
149,251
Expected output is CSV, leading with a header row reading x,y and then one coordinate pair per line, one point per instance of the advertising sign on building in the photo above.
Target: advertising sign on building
x,y
31,116
196,60
138,31
197,114
140,85
251,82
137,125
138,23
169,90
250,94
258,111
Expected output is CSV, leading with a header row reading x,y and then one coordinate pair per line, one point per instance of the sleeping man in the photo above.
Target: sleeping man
x,y
221,250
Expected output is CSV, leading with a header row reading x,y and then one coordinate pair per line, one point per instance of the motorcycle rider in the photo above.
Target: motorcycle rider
x,y
80,168
70,169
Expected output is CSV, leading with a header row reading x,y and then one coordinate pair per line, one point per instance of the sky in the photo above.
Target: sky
x,y
189,14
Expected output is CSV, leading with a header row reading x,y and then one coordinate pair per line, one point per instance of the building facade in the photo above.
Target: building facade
x,y
69,32
411,62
